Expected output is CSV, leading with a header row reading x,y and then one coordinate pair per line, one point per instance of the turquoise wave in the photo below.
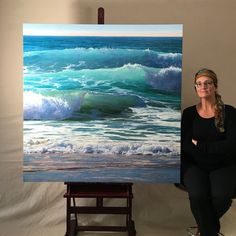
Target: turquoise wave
x,y
128,78
77,105
94,58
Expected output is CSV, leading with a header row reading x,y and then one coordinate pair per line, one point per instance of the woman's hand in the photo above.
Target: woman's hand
x,y
194,142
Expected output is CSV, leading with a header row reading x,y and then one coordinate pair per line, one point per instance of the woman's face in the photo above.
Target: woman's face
x,y
205,87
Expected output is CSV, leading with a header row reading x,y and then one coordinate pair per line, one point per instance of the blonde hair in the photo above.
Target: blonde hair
x,y
219,105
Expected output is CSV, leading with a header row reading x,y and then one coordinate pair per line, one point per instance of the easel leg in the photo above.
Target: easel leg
x,y
67,216
130,222
76,217
71,225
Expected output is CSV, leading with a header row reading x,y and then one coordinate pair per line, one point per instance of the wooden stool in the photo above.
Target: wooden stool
x,y
98,191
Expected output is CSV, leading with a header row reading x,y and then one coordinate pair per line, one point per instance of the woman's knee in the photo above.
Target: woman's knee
x,y
197,182
222,197
221,204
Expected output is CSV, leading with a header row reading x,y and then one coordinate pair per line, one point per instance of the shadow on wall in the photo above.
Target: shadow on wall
x,y
116,12
84,12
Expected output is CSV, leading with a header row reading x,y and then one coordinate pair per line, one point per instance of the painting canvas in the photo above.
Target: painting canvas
x,y
102,102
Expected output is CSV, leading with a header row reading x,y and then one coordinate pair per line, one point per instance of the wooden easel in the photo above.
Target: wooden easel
x,y
99,191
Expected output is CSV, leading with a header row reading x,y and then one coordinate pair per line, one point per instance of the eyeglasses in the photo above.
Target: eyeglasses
x,y
206,84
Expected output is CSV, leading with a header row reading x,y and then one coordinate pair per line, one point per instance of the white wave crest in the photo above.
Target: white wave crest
x,y
170,55
167,79
39,107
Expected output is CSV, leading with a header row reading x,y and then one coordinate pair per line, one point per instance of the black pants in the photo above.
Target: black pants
x,y
210,195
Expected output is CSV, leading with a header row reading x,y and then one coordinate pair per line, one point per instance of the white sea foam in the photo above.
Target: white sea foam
x,y
43,146
40,107
171,55
167,79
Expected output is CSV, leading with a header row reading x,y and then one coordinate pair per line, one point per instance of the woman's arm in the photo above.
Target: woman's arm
x,y
187,146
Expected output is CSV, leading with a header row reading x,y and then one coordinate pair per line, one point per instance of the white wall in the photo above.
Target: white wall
x,y
209,41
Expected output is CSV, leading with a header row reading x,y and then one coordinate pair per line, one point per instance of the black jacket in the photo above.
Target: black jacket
x,y
208,154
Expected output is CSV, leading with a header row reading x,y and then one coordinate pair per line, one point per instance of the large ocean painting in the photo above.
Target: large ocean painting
x,y
102,103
